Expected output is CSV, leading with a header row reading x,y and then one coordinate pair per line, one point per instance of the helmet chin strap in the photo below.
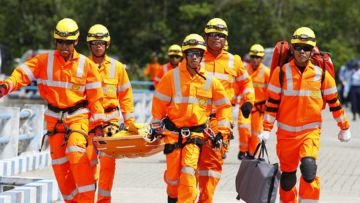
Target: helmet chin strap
x,y
197,72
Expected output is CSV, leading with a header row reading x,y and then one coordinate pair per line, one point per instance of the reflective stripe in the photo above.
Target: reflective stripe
x,y
189,100
50,65
222,123
340,119
103,154
80,68
128,115
242,77
27,71
157,79
165,68
50,113
245,125
247,90
70,149
59,161
289,80
307,200
171,182
97,116
162,97
302,93
112,115
188,170
210,173
104,193
318,72
221,101
93,85
274,89
220,76
244,144
269,118
61,84
259,85
11,86
124,87
112,68
308,126
231,61
330,91
70,196
177,82
255,133
208,82
86,188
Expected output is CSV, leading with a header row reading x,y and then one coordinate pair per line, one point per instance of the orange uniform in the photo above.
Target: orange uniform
x,y
117,93
151,70
235,79
161,72
249,131
187,102
297,107
73,91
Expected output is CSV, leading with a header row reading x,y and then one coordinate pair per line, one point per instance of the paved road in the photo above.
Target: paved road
x,y
141,179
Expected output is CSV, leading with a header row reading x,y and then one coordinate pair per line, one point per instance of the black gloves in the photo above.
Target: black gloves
x,y
217,141
246,109
3,90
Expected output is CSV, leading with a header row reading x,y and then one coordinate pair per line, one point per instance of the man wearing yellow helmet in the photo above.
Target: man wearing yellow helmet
x,y
296,105
175,56
233,76
71,86
117,93
183,102
250,127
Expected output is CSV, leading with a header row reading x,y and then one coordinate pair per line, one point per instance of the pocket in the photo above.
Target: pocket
x,y
78,84
110,87
204,99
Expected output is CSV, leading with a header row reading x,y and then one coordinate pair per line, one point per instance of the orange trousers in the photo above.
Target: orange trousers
x,y
210,167
249,129
291,148
181,166
70,162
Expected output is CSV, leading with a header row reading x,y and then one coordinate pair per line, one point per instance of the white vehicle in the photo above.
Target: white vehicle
x,y
29,54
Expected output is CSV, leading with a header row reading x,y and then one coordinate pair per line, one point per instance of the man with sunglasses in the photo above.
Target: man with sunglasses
x,y
118,98
182,103
233,76
250,128
175,56
71,86
297,106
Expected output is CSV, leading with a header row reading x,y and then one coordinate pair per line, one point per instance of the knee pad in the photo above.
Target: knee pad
x,y
308,169
288,180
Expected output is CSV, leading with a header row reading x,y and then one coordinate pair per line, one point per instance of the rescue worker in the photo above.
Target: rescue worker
x,y
151,69
71,86
235,79
182,102
118,98
249,128
296,98
175,56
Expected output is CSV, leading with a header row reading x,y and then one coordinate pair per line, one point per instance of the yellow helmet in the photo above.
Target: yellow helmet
x,y
304,35
257,50
175,50
193,41
216,25
98,32
226,46
66,29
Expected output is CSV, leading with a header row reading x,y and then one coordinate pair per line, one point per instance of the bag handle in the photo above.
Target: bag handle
x,y
263,151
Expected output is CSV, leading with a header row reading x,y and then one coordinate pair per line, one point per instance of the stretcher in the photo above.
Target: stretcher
x,y
125,145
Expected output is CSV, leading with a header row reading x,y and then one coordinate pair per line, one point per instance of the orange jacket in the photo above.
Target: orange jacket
x,y
298,104
260,79
117,90
232,74
62,84
151,70
188,101
161,72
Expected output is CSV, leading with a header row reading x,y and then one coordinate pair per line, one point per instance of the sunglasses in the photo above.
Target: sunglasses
x,y
194,53
255,57
97,42
175,56
216,34
67,42
302,47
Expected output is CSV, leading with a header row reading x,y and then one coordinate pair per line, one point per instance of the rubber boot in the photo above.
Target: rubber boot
x,y
172,200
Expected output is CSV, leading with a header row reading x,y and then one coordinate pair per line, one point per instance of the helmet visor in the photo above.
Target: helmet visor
x,y
66,34
98,35
193,42
304,37
217,27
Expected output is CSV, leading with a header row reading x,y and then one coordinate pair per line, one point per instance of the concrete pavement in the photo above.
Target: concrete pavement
x,y
141,179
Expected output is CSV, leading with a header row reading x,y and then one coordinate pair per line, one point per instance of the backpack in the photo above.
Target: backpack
x,y
282,54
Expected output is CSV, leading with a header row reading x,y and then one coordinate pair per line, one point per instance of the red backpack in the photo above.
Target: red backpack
x,y
282,54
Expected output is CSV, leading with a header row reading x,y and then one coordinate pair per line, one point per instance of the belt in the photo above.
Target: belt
x,y
172,127
111,109
70,110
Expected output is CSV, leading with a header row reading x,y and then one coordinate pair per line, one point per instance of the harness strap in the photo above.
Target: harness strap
x,y
69,110
111,109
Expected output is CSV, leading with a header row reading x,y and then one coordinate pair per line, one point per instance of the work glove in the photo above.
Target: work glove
x,y
3,90
155,131
264,136
132,128
99,131
344,135
217,141
246,109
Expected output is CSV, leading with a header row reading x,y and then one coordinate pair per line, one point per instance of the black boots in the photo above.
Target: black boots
x,y
172,200
242,155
